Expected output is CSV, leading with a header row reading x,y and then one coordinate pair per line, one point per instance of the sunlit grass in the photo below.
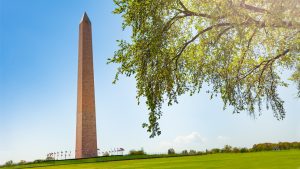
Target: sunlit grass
x,y
289,159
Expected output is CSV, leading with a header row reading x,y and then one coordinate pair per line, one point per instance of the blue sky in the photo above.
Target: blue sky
x,y
38,82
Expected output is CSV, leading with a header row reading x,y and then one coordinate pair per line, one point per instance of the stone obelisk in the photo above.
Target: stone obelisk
x,y
86,136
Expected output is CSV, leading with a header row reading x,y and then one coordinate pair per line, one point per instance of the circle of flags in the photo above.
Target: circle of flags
x,y
63,155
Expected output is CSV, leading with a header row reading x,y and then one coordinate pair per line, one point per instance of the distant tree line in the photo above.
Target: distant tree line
x,y
137,152
276,146
226,149
230,149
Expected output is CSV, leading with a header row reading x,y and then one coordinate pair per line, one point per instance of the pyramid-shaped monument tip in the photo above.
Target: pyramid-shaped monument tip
x,y
85,18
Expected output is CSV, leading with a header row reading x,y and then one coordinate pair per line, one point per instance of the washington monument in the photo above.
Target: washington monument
x,y
86,135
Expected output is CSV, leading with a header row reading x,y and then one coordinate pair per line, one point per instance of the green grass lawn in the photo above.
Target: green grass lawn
x,y
289,159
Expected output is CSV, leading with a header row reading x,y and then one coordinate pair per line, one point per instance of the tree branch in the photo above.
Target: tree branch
x,y
195,37
245,52
222,33
261,24
265,63
191,13
183,6
253,8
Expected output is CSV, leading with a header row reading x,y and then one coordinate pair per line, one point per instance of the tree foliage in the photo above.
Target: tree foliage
x,y
171,151
238,47
276,146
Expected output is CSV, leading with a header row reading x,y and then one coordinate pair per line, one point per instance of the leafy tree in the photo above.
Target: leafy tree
x,y
244,150
9,163
38,161
215,150
227,149
235,150
22,162
137,152
171,151
192,152
184,152
237,47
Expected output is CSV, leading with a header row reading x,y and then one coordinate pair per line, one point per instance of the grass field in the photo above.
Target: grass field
x,y
289,159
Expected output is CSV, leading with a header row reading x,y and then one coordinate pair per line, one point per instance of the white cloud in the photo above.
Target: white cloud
x,y
193,139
